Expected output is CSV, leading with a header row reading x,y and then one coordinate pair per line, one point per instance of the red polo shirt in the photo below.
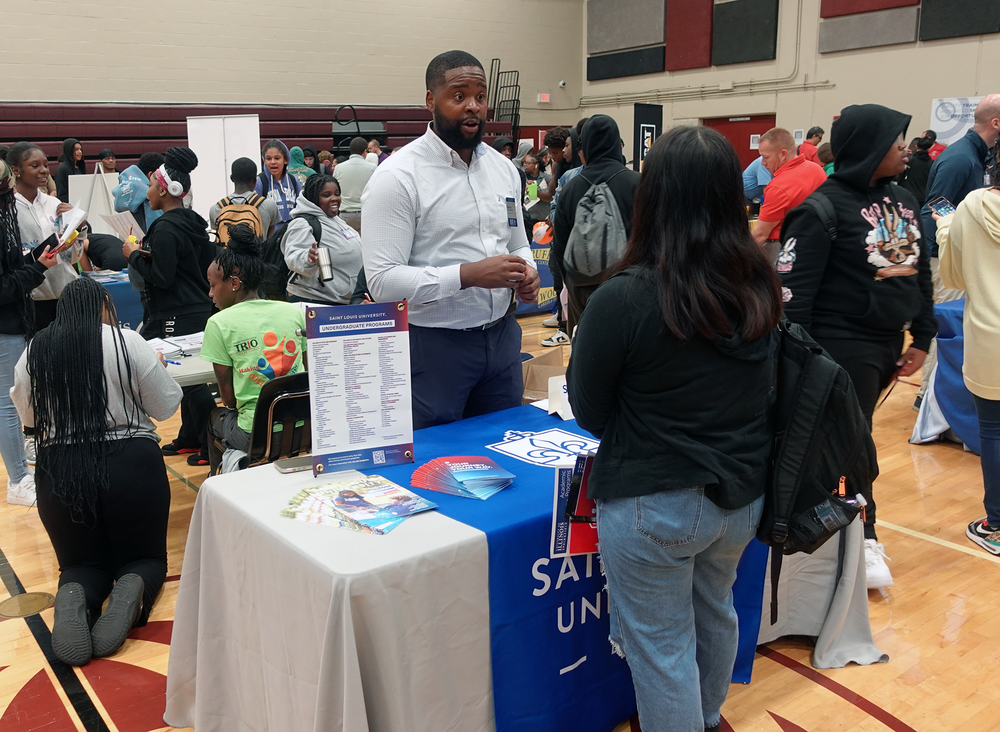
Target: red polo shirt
x,y
794,180
936,149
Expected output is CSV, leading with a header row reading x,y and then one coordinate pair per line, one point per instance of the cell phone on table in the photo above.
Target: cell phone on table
x,y
294,465
941,206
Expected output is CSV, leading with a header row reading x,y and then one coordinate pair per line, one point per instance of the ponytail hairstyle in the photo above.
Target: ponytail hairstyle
x,y
689,226
315,184
178,164
242,257
11,256
69,396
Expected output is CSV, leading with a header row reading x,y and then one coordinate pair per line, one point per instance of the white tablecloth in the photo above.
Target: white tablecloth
x,y
284,625
812,602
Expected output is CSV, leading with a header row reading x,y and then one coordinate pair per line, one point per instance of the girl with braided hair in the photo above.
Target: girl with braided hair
x,y
175,254
18,277
250,341
316,224
90,389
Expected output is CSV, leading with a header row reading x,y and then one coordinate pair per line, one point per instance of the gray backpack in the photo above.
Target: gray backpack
x,y
597,242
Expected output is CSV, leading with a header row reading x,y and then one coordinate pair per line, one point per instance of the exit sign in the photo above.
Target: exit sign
x,y
543,98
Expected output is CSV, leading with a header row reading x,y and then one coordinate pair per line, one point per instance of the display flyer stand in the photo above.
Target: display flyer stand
x,y
359,386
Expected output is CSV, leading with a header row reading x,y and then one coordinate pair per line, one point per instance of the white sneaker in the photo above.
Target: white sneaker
x,y
875,568
29,450
23,493
552,322
557,339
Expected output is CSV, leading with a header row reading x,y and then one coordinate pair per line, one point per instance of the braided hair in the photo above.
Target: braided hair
x,y
179,162
315,184
11,256
242,257
69,396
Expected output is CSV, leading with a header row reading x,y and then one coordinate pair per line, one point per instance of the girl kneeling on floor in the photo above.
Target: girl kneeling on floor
x,y
103,494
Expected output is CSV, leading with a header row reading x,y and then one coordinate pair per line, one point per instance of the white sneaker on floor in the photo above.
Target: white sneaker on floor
x,y
29,450
552,322
558,338
876,570
23,493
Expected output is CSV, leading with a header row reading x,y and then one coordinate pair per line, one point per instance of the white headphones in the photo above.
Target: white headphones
x,y
174,188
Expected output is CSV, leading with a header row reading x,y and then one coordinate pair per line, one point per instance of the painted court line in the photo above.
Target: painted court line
x,y
980,553
181,478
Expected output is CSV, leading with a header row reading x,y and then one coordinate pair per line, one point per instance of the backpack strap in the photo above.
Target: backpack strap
x,y
224,202
821,205
255,200
265,184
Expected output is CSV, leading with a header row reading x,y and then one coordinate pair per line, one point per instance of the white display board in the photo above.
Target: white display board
x,y
218,141
952,117
92,193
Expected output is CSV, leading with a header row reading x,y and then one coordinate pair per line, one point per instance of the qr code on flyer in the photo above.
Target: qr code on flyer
x,y
378,457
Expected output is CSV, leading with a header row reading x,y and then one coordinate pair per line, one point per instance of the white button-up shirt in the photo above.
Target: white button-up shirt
x,y
424,214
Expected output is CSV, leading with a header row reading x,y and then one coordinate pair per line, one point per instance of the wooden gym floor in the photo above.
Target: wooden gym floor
x,y
939,623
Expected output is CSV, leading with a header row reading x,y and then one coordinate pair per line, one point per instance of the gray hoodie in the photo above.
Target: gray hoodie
x,y
344,244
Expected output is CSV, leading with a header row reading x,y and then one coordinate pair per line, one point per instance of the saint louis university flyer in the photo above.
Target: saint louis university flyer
x,y
359,386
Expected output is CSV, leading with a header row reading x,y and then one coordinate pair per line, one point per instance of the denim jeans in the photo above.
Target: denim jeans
x,y
670,560
11,437
989,438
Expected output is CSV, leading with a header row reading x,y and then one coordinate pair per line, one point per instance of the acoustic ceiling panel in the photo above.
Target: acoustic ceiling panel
x,y
869,30
615,25
689,34
834,8
956,18
626,63
745,31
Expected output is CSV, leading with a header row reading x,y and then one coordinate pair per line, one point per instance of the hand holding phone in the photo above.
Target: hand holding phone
x,y
941,206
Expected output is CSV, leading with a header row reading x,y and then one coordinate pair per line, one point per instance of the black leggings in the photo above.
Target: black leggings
x,y
130,535
870,364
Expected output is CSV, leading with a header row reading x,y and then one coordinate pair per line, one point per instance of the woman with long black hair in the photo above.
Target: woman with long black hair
x,y
18,277
173,261
90,389
680,472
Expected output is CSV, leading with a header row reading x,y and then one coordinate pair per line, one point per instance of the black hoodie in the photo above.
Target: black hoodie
x,y
602,152
875,277
175,271
308,150
67,168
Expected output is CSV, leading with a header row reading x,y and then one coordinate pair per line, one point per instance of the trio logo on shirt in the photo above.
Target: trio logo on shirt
x,y
277,357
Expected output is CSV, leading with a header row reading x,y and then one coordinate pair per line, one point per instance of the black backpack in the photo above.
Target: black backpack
x,y
823,454
276,280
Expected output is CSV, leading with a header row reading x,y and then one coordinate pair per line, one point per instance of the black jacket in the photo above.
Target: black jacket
x,y
174,273
602,153
876,276
66,169
914,179
15,282
666,410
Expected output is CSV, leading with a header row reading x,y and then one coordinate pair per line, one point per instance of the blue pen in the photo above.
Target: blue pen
x,y
175,363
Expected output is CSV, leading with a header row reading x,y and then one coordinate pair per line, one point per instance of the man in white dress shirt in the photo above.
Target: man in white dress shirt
x,y
443,229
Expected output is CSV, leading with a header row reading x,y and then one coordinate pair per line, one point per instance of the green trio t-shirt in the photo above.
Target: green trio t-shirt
x,y
257,339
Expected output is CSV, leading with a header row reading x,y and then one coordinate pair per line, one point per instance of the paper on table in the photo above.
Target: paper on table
x,y
188,344
559,398
123,224
165,347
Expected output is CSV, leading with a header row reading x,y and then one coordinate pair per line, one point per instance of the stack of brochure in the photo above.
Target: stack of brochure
x,y
187,345
366,503
467,476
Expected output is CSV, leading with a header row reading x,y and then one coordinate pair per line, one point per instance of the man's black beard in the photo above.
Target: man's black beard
x,y
452,135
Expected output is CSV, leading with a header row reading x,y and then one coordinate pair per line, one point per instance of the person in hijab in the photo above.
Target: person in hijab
x,y
859,293
298,166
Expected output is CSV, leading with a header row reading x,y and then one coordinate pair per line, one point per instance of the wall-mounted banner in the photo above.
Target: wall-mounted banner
x,y
952,117
647,126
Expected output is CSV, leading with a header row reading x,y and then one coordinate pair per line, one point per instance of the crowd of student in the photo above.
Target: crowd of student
x,y
844,245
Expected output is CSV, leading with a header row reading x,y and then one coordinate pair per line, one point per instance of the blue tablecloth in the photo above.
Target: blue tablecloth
x,y
127,303
954,399
552,663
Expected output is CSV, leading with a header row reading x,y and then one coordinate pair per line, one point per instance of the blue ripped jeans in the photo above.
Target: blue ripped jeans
x,y
11,436
670,560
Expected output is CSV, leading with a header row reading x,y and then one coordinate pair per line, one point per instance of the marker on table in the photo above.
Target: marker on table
x,y
175,363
